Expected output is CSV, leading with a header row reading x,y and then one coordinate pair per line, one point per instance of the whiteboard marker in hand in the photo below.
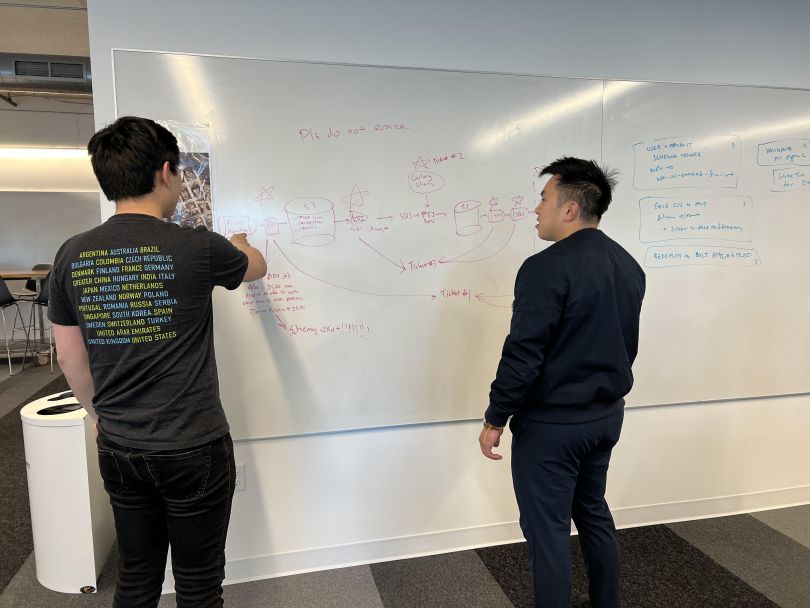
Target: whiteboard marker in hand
x,y
257,266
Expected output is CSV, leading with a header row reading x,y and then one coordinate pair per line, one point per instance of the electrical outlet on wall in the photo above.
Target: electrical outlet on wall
x,y
240,476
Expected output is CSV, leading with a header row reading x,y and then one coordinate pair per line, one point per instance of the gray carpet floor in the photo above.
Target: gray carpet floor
x,y
761,560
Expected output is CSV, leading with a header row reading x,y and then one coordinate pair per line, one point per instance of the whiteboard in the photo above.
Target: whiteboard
x,y
719,179
394,207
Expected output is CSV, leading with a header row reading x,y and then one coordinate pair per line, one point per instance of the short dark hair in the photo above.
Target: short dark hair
x,y
585,182
126,154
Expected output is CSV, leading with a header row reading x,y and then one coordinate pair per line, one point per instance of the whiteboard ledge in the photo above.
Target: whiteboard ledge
x,y
477,420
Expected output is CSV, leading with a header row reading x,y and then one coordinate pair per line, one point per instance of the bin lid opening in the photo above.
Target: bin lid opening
x,y
59,409
61,396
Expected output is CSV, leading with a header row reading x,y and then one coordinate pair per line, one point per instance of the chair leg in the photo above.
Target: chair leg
x,y
27,335
5,337
50,345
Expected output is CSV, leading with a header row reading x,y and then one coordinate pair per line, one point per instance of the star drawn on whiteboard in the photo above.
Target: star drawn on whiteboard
x,y
356,197
266,194
518,200
420,163
494,200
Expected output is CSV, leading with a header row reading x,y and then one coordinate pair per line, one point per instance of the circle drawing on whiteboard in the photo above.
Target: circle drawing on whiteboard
x,y
425,182
467,220
311,220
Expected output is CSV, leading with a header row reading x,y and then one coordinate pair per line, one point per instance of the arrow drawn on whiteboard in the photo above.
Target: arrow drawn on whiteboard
x,y
483,299
444,260
281,323
457,261
432,296
399,265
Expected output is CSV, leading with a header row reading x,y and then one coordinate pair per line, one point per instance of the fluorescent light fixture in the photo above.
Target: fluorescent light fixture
x,y
41,153
46,170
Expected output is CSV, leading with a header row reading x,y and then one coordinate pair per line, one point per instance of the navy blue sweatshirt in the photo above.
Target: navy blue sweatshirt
x,y
574,333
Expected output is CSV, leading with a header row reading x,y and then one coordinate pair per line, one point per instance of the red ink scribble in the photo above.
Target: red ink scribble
x,y
437,160
423,264
458,261
399,265
461,292
266,194
519,213
424,182
368,293
421,163
427,217
484,299
308,135
230,225
354,329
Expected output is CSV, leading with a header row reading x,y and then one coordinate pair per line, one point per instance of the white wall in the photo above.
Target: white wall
x,y
35,222
329,500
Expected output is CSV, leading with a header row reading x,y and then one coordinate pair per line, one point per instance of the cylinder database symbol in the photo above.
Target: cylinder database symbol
x,y
467,219
312,221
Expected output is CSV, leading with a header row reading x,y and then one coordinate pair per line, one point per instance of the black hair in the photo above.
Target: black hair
x,y
585,182
127,154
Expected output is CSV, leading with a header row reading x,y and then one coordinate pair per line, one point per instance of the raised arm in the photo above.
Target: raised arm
x,y
257,265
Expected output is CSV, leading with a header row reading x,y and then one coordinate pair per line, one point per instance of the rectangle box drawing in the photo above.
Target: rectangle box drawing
x,y
700,161
784,152
699,255
726,218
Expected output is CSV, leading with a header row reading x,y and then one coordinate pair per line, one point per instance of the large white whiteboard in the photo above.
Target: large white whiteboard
x,y
395,206
719,179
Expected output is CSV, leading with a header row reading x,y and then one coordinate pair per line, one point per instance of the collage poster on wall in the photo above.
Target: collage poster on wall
x,y
195,207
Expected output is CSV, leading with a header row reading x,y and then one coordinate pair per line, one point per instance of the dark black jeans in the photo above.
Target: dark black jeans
x,y
180,498
560,472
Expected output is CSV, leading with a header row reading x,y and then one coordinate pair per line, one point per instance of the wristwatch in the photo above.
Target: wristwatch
x,y
491,427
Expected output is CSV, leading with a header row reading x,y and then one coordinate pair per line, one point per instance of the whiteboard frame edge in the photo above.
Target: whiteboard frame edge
x,y
451,70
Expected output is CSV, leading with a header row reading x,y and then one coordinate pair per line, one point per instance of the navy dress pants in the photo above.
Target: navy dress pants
x,y
559,472
180,498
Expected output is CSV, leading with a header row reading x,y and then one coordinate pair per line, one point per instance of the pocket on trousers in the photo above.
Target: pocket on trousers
x,y
110,473
515,427
181,476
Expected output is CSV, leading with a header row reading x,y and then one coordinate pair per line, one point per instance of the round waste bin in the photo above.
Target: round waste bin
x,y
71,518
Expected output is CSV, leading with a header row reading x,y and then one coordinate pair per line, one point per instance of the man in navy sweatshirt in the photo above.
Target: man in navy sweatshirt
x,y
565,368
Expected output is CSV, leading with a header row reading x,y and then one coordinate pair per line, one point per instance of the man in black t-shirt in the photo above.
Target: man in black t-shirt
x,y
565,368
130,303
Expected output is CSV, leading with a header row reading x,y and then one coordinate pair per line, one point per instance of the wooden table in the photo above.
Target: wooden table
x,y
12,274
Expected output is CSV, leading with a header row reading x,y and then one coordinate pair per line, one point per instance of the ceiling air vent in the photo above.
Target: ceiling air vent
x,y
67,70
32,68
45,73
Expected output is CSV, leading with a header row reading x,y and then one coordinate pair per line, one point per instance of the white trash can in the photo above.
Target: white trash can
x,y
71,517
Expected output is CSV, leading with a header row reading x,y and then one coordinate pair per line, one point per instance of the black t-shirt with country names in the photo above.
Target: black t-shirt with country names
x,y
140,290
